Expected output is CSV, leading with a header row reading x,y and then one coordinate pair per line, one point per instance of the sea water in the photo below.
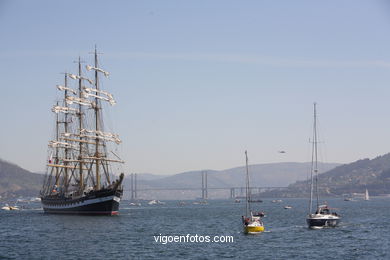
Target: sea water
x,y
143,232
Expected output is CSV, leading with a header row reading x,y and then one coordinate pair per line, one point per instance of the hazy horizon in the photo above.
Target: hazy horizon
x,y
191,170
199,82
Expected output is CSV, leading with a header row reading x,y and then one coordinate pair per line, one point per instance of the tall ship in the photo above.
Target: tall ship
x,y
84,172
323,216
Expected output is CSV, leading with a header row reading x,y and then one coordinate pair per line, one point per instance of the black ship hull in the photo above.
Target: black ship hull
x,y
103,202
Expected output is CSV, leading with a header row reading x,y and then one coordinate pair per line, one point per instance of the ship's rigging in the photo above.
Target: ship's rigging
x,y
81,151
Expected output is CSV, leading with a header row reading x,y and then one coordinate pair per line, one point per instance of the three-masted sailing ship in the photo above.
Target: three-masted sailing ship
x,y
323,216
83,167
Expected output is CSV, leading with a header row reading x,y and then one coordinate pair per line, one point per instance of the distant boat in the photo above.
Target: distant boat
x,y
256,201
252,221
202,202
287,207
348,199
323,217
237,201
156,202
366,196
23,200
35,199
8,207
276,201
135,204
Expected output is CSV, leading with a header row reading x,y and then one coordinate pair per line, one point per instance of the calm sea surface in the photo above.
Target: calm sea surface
x,y
364,232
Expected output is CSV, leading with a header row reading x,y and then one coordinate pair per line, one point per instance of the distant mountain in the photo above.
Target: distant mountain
x,y
336,180
262,175
15,181
150,177
350,178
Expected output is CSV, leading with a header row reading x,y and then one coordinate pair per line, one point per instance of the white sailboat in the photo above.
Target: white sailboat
x,y
252,221
366,196
323,216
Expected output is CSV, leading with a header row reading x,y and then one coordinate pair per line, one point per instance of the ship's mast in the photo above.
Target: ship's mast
x,y
56,154
97,125
80,115
66,179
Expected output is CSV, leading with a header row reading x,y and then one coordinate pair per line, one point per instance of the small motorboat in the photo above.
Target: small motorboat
x,y
255,201
202,202
35,199
156,202
8,207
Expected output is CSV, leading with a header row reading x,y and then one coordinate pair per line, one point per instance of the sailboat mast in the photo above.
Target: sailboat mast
x,y
316,151
314,165
97,125
81,177
247,186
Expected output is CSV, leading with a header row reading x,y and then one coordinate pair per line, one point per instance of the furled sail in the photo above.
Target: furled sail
x,y
106,73
58,144
57,109
108,97
100,135
60,87
81,101
73,76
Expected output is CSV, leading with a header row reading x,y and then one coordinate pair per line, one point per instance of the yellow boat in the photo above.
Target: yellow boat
x,y
253,229
252,224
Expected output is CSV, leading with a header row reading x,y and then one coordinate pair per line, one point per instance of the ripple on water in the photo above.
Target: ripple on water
x,y
364,233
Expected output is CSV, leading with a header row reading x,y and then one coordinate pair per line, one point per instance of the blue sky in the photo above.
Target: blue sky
x,y
199,82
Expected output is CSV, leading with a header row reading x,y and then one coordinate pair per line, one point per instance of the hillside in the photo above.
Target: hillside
x,y
350,178
336,180
15,181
